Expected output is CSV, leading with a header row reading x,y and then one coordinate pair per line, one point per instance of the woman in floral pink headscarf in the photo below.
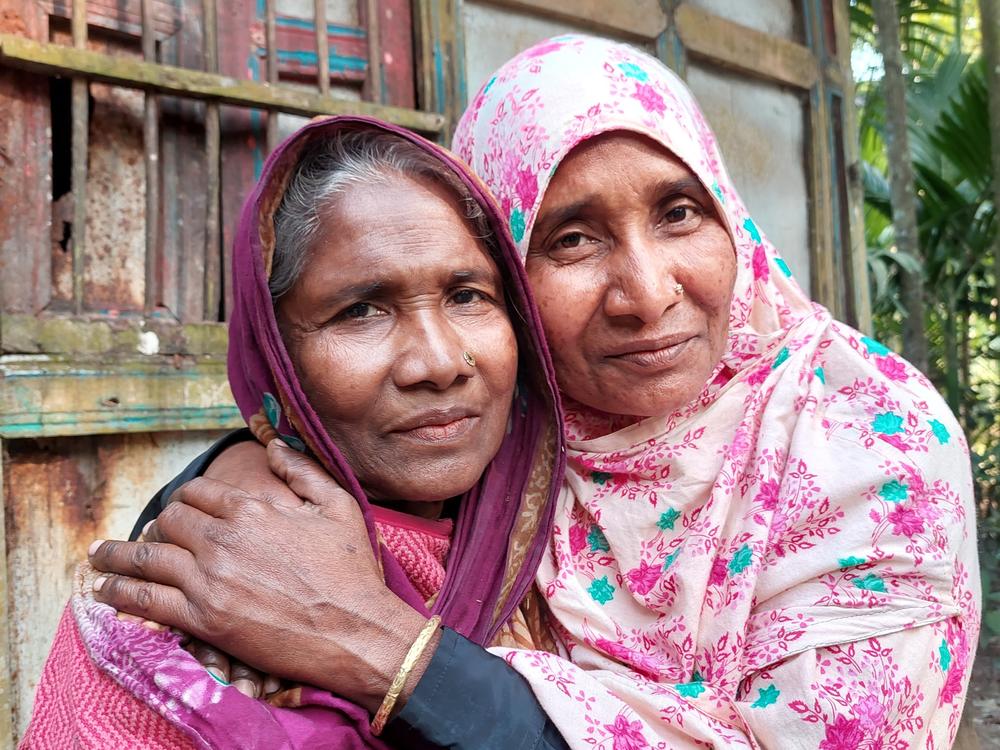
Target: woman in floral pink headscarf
x,y
767,534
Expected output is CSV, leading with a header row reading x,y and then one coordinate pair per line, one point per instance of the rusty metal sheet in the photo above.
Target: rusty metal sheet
x,y
114,262
60,495
25,190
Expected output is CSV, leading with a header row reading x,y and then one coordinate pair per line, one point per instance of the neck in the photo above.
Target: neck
x,y
431,510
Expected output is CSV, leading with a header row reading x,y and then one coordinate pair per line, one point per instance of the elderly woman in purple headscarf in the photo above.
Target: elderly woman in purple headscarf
x,y
380,325
766,533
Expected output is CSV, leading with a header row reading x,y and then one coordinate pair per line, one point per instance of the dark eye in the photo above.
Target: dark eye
x,y
359,310
466,296
571,240
677,214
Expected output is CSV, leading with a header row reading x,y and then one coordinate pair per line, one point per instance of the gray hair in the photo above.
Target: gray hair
x,y
327,167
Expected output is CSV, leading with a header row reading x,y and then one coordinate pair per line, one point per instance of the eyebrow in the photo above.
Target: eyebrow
x,y
382,287
573,210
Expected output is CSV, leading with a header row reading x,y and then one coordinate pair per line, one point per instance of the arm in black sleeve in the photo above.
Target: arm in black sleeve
x,y
469,699
194,469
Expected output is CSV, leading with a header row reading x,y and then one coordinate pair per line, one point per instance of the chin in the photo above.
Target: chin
x,y
434,486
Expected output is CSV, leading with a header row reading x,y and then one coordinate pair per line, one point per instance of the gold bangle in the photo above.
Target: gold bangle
x,y
410,661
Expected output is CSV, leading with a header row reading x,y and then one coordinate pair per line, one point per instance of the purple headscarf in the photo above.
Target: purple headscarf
x,y
502,526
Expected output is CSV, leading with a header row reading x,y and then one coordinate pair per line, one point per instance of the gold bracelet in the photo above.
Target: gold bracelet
x,y
412,657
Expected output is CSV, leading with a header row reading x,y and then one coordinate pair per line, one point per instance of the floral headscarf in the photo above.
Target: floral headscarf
x,y
787,561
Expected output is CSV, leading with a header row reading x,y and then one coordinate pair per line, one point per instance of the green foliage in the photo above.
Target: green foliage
x,y
949,129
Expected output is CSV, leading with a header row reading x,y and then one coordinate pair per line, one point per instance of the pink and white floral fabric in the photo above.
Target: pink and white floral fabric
x,y
789,561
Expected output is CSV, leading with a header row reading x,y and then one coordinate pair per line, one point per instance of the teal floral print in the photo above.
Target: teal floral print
x,y
691,689
601,591
597,541
894,492
874,347
741,560
783,267
634,71
781,358
850,562
670,559
940,432
888,423
517,224
821,374
945,655
667,519
752,230
600,477
767,696
870,582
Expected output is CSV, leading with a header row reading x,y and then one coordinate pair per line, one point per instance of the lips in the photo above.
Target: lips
x,y
435,425
653,352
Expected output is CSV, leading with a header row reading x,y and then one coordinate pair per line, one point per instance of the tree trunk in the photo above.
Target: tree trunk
x,y
904,202
989,13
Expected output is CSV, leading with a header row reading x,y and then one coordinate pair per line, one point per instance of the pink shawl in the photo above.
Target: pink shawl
x,y
789,560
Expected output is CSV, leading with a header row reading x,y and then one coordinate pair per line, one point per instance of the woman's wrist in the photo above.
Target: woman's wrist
x,y
379,644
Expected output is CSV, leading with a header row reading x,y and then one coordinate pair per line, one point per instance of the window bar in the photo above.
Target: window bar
x,y
81,106
271,34
151,144
212,147
374,51
322,48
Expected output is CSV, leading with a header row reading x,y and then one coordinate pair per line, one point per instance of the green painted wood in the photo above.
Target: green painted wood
x,y
58,395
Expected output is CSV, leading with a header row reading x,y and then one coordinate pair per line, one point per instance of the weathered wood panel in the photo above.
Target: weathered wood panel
x,y
49,59
726,44
773,180
494,34
779,18
642,20
60,495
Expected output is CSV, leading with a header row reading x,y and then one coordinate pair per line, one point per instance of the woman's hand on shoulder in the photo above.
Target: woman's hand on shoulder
x,y
245,573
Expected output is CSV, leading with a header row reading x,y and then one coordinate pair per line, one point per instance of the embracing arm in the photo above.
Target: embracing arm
x,y
459,679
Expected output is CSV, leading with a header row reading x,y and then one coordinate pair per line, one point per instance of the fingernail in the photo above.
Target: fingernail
x,y
280,443
99,583
145,529
94,546
271,685
217,675
246,687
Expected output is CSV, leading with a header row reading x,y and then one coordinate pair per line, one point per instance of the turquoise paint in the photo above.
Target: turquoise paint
x,y
307,24
439,76
210,418
257,122
338,63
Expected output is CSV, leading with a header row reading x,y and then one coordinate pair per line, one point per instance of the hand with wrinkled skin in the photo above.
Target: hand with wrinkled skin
x,y
244,575
243,465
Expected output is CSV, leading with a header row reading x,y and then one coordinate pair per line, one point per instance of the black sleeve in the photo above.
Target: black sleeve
x,y
194,469
469,699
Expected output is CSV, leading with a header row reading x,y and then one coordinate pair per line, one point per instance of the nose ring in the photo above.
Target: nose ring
x,y
469,359
678,289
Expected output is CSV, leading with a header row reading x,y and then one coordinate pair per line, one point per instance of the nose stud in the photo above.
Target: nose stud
x,y
469,359
678,289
